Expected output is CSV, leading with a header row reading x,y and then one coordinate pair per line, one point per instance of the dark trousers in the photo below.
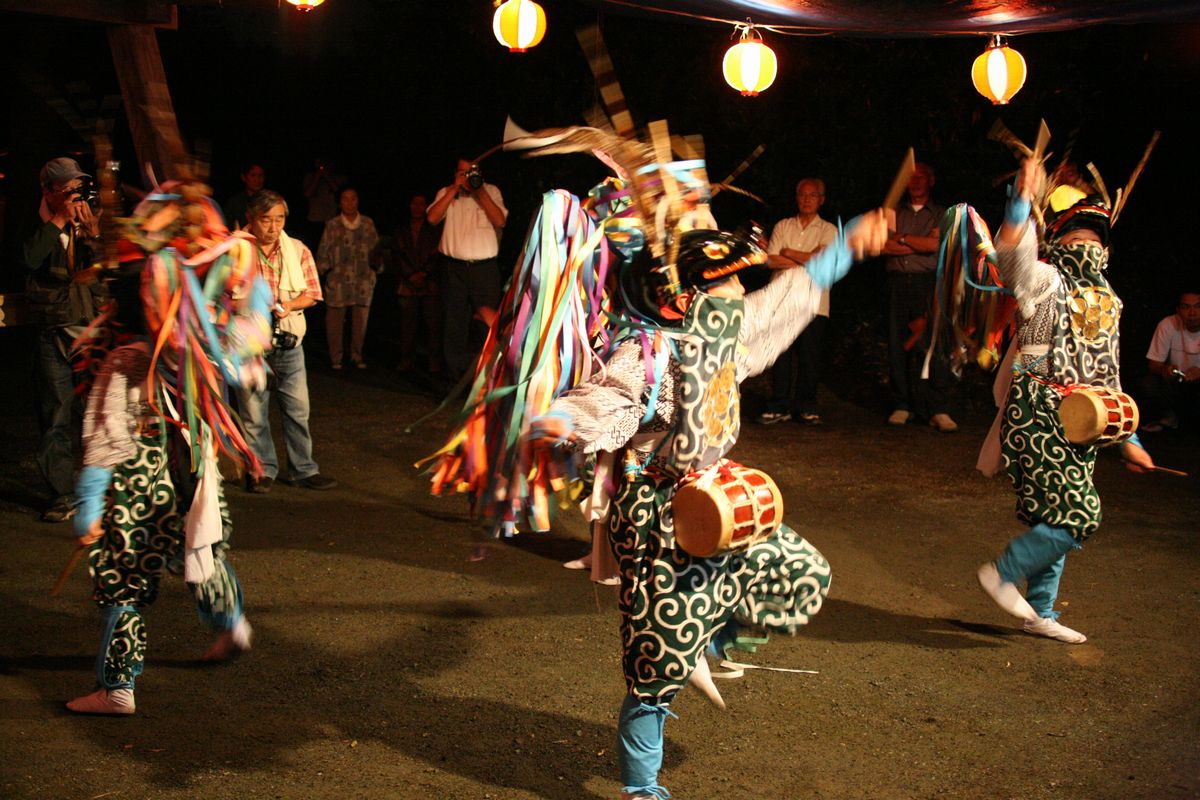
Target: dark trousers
x,y
412,309
797,372
466,287
910,297
57,414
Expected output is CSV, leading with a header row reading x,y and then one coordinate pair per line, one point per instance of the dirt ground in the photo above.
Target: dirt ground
x,y
388,665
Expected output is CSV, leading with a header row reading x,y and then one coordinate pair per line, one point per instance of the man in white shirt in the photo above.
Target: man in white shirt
x,y
795,376
1173,360
474,215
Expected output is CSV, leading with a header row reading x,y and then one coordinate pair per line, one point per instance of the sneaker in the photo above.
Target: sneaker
x,y
318,481
1052,629
106,702
809,418
1005,594
771,417
943,423
63,509
360,365
259,485
336,366
611,580
231,643
899,417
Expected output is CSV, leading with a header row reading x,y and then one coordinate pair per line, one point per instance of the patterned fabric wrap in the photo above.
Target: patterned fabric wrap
x,y
143,538
672,603
1079,321
1051,476
709,401
123,652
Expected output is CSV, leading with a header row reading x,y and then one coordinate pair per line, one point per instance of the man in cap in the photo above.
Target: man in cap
x,y
65,296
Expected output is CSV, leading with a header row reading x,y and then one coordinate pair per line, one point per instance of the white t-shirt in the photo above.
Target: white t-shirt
x,y
1175,345
791,234
467,233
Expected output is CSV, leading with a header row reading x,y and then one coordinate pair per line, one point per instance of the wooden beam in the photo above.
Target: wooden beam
x,y
161,13
147,99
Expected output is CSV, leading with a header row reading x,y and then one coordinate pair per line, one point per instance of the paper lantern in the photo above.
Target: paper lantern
x,y
750,66
305,5
999,72
519,24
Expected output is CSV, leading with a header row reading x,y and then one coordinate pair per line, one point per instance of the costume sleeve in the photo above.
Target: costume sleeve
x,y
1029,279
312,285
606,412
107,425
775,315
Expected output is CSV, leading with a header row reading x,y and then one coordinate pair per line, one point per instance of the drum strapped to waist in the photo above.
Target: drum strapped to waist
x,y
1097,415
725,507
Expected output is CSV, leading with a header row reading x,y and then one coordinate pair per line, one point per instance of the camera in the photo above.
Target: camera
x,y
280,339
474,177
87,193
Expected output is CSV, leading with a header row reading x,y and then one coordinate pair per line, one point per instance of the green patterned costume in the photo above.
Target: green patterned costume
x,y
143,522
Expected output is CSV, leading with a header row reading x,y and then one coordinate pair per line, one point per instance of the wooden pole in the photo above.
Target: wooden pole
x,y
147,99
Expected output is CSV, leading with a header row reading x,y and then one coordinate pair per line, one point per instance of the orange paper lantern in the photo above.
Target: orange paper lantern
x,y
305,5
519,24
750,66
999,72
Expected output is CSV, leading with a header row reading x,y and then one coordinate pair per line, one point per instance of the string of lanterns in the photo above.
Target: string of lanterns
x,y
749,66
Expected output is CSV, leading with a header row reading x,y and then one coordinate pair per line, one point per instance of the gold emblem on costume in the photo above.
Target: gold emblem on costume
x,y
719,410
1093,313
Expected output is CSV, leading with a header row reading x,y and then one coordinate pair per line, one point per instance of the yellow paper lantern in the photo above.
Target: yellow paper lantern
x,y
750,66
999,72
519,24
305,5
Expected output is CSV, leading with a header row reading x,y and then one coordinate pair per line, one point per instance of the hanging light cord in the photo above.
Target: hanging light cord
x,y
782,30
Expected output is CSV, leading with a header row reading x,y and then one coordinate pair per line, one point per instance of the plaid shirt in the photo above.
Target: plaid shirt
x,y
270,267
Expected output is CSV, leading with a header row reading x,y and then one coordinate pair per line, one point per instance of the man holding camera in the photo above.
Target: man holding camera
x,y
288,267
474,215
64,294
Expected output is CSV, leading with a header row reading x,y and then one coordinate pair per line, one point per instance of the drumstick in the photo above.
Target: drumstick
x,y
1180,473
900,183
68,569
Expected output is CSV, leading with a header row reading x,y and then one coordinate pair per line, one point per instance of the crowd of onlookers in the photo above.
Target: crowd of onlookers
x,y
441,260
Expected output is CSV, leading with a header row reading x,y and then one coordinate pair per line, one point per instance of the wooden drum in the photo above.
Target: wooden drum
x,y
725,507
1097,415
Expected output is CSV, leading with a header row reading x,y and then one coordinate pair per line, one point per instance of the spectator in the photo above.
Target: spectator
x,y
474,214
288,267
66,296
344,259
1173,380
416,248
253,176
911,272
795,376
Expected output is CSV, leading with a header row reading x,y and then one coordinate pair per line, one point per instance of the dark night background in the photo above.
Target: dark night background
x,y
392,92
